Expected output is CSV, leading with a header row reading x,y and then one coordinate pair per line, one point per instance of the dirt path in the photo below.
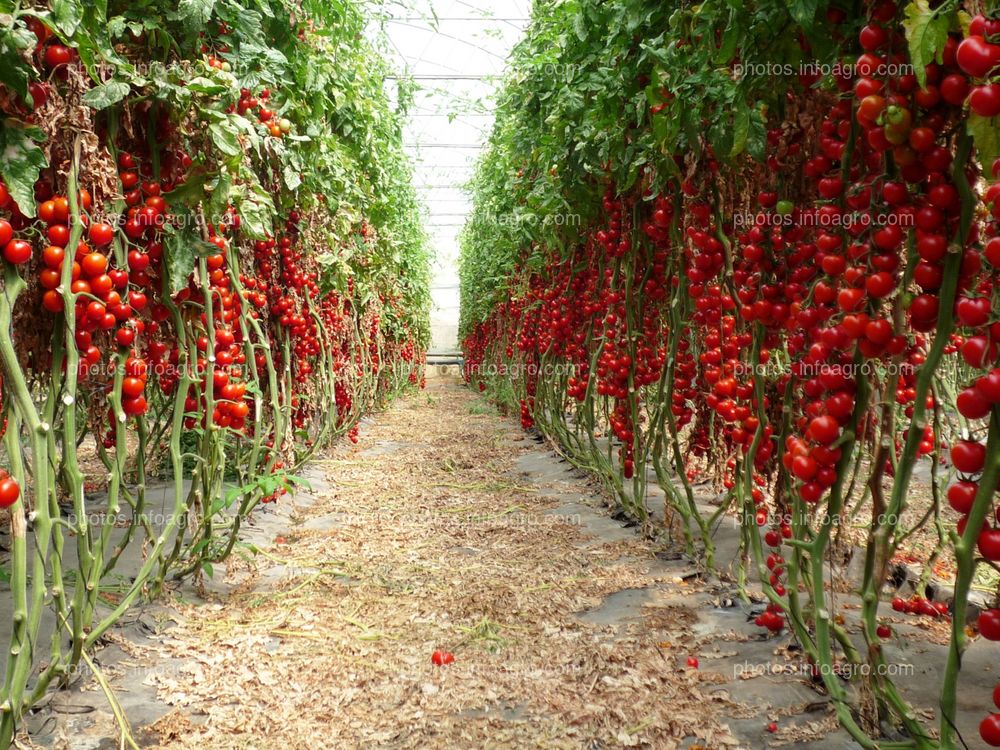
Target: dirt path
x,y
448,528
445,528
429,538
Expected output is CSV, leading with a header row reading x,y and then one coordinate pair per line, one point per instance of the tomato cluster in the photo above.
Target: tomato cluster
x,y
115,277
277,127
918,605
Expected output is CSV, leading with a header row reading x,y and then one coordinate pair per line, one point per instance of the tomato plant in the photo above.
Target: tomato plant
x,y
212,272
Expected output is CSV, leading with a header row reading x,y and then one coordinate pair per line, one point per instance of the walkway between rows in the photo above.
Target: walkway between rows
x,y
447,529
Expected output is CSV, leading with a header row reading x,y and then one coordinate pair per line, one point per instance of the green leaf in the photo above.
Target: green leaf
x,y
202,85
196,12
67,15
297,480
190,192
256,212
21,161
225,138
106,94
291,177
690,122
730,39
116,26
721,137
221,193
741,129
182,246
804,12
926,33
98,55
246,23
985,132
14,71
964,22
757,136
249,130
270,57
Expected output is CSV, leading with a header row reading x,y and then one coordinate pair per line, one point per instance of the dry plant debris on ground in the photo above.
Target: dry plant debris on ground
x,y
434,545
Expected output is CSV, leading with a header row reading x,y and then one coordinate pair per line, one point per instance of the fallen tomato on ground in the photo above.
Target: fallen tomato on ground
x,y
440,658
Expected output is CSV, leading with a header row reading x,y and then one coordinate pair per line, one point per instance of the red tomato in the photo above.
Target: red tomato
x,y
921,139
52,301
989,544
125,337
53,256
134,406
17,252
58,234
989,624
968,456
989,385
989,730
954,89
872,37
871,107
983,26
440,658
132,386
137,300
101,234
101,285
94,264
47,211
973,311
135,367
977,57
880,285
61,207
804,467
56,55
137,261
985,100
824,429
962,495
972,404
96,310
9,492
49,278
